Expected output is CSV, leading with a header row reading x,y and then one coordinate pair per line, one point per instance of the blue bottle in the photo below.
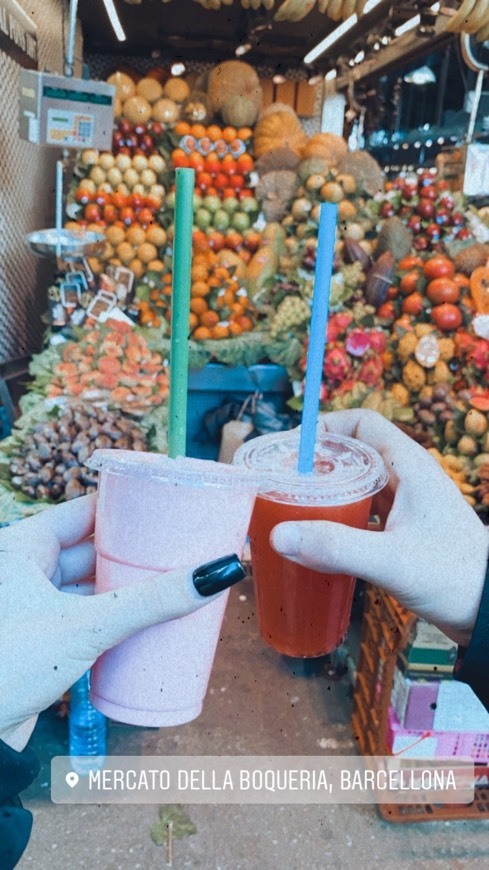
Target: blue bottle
x,y
87,730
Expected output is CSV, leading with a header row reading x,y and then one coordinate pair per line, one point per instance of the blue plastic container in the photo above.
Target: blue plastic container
x,y
215,384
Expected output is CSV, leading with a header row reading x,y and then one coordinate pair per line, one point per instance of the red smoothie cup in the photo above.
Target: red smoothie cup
x,y
304,613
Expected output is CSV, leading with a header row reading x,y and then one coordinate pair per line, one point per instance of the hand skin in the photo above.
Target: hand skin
x,y
48,639
433,552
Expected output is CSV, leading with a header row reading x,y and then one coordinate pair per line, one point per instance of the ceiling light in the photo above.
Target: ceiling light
x,y
331,75
114,20
409,25
421,76
243,49
338,32
178,68
278,79
314,80
359,57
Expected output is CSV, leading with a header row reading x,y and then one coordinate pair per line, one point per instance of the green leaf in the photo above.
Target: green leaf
x,y
182,825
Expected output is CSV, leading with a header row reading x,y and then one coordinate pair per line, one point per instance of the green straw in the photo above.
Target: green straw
x,y
182,263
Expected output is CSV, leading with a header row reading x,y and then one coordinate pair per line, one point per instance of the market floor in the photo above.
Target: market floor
x,y
258,703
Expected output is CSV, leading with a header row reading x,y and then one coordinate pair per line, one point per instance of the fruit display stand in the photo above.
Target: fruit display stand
x,y
385,631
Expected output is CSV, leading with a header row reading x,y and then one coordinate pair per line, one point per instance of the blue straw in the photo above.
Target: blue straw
x,y
317,337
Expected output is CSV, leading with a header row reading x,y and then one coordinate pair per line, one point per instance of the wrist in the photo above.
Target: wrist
x,y
17,736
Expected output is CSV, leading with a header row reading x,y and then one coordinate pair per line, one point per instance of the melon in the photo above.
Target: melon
x,y
165,111
137,110
150,89
232,79
240,111
176,89
124,85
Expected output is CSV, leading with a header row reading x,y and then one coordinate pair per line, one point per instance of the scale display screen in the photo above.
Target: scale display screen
x,y
65,112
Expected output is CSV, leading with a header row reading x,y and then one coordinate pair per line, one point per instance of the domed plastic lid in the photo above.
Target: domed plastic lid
x,y
345,470
184,470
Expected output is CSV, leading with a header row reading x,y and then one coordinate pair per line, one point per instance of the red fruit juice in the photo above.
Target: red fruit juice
x,y
301,612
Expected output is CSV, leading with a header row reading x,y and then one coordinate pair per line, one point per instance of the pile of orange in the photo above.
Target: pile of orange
x,y
219,306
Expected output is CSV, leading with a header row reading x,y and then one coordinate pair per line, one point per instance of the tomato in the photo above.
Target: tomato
x,y
461,280
409,282
127,216
413,304
92,212
393,292
204,180
386,311
109,213
439,267
442,290
446,316
410,262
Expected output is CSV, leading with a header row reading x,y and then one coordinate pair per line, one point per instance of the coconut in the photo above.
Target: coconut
x,y
275,191
394,237
471,258
277,158
364,169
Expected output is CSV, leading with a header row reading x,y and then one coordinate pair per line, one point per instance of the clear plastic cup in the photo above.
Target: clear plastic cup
x,y
304,613
158,514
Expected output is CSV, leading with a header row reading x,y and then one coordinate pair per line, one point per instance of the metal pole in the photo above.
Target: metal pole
x,y
71,37
475,105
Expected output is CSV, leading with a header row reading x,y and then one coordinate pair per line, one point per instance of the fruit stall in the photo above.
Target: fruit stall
x,y
408,322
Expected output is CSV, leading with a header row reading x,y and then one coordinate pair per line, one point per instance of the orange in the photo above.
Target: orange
x,y
225,300
178,158
220,331
193,321
201,333
245,163
198,130
229,134
237,309
115,235
244,133
214,132
146,252
136,235
209,318
199,273
199,288
235,328
198,305
246,323
155,266
196,161
221,272
181,128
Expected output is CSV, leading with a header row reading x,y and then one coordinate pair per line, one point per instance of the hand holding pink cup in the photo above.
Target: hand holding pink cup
x,y
156,514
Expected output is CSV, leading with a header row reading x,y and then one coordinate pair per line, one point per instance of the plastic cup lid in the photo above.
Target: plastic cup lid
x,y
345,470
185,470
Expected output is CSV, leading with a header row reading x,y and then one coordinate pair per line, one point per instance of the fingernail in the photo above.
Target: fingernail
x,y
218,575
286,539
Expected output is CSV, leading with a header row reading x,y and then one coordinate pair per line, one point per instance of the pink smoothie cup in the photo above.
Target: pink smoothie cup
x,y
158,514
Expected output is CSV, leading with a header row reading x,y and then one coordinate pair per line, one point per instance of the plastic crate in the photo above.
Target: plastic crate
x,y
435,744
386,627
215,384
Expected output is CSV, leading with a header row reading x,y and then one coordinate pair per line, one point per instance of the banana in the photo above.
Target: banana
x,y
323,6
483,34
245,4
268,4
255,4
479,17
360,6
456,24
334,9
348,8
294,10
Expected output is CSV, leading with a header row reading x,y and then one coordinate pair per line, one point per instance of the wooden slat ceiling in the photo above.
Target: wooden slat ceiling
x,y
183,29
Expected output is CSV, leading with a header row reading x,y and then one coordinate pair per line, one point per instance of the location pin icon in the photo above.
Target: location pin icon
x,y
72,779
